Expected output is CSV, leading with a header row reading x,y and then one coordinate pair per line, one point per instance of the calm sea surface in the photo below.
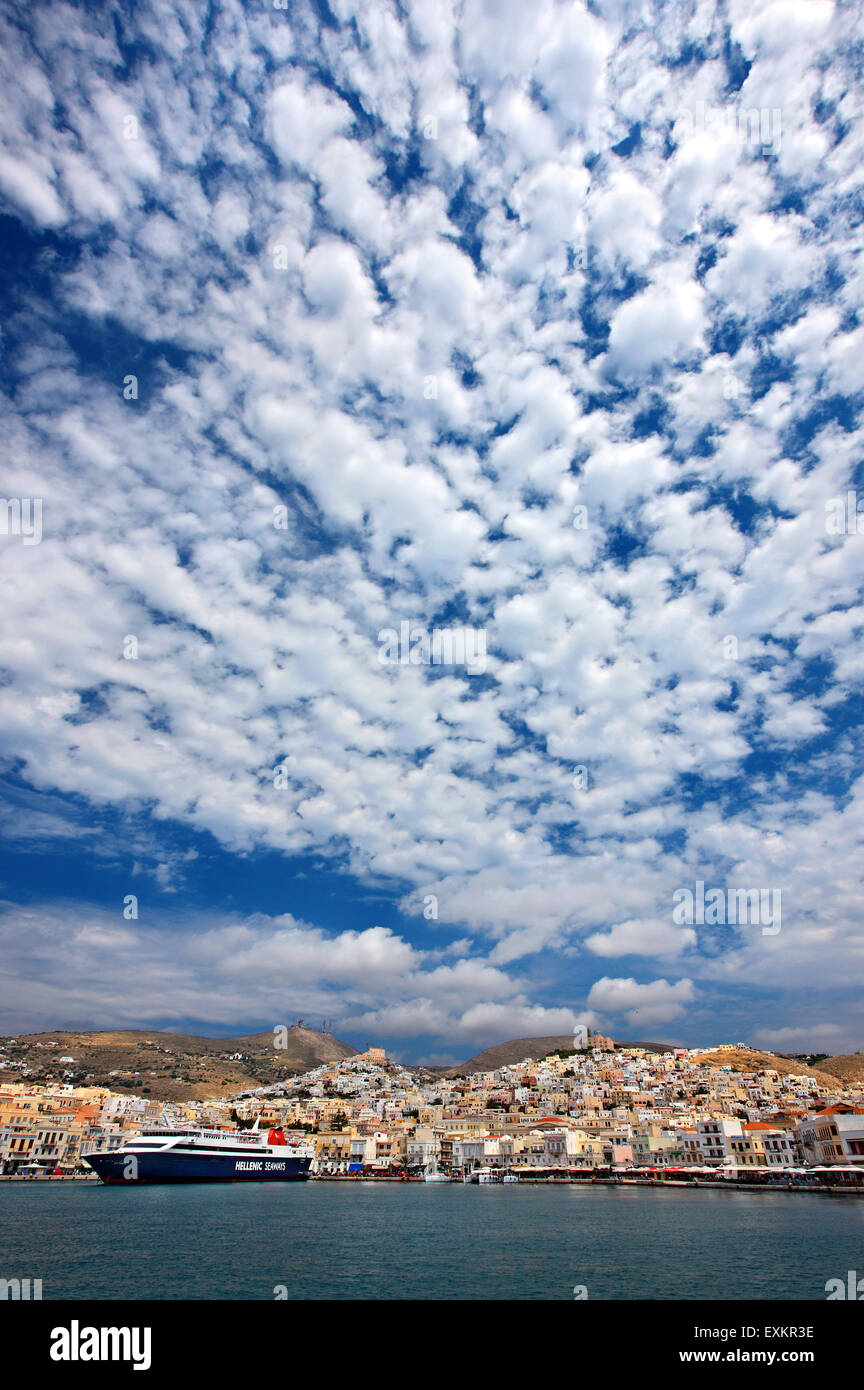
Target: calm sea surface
x,y
410,1241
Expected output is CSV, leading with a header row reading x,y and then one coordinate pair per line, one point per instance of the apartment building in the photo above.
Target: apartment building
x,y
714,1137
834,1135
421,1146
655,1150
778,1145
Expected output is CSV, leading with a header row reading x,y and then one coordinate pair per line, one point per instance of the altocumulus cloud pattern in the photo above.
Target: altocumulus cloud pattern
x,y
537,321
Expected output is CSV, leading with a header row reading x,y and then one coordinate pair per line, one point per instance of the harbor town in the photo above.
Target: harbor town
x,y
603,1113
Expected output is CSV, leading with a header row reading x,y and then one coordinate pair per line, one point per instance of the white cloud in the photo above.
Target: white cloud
x,y
661,324
639,938
657,1002
421,384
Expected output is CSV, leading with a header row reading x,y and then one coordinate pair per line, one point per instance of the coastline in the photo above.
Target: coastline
x,y
570,1180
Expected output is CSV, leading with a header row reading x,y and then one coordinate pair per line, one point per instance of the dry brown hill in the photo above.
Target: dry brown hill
x,y
168,1066
748,1059
848,1069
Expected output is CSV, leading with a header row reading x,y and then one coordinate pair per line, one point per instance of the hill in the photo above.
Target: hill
x,y
167,1066
848,1069
506,1053
749,1059
828,1072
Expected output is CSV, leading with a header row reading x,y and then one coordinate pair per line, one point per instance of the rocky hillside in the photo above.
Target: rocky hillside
x,y
847,1069
166,1066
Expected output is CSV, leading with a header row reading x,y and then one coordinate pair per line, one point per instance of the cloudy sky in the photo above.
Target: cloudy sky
x,y
541,320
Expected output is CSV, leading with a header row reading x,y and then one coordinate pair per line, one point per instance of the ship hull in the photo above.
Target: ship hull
x,y
119,1168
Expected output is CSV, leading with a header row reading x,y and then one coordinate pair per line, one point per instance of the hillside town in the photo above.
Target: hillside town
x,y
597,1110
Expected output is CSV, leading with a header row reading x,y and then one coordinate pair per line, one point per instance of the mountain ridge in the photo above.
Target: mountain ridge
x,y
180,1066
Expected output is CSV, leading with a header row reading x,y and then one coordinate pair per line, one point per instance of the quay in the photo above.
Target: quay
x,y
577,1177
48,1177
806,1182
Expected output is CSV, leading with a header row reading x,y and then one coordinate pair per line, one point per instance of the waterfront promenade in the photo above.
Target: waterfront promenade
x,y
806,1182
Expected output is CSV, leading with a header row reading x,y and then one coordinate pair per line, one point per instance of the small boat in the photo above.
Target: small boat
x,y
510,1177
431,1173
482,1175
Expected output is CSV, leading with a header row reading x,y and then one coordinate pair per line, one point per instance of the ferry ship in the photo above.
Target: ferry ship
x,y
164,1154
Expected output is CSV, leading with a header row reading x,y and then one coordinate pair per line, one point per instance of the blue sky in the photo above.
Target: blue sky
x,y
540,321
